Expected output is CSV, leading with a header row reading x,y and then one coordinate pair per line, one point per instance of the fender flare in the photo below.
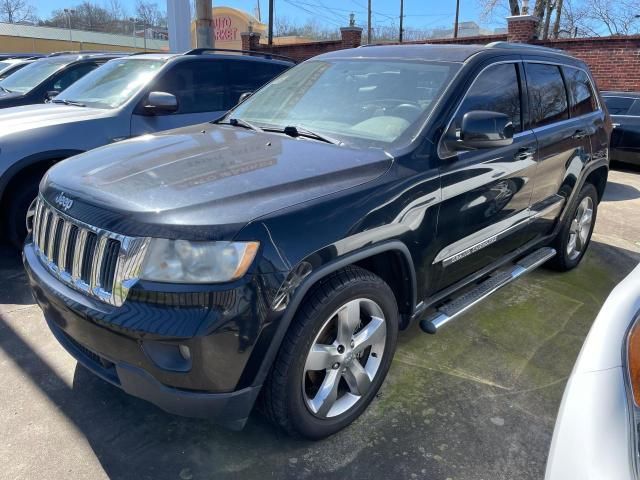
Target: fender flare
x,y
313,278
31,160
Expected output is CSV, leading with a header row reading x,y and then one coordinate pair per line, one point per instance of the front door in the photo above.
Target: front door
x,y
486,193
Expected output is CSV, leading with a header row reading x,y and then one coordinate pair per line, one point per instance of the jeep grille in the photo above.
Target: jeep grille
x,y
101,264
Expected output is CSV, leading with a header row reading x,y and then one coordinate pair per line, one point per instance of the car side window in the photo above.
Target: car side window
x,y
583,99
547,94
248,76
496,89
635,109
72,75
618,105
199,86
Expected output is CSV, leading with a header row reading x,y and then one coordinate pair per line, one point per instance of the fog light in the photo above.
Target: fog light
x,y
168,356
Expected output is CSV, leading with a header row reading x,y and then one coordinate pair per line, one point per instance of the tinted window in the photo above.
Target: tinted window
x,y
547,95
199,86
249,76
635,109
618,105
497,89
583,99
70,76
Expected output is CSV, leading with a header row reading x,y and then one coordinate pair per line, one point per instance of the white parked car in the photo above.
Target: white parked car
x,y
596,434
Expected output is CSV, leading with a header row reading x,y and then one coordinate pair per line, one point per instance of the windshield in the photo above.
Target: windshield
x,y
112,84
32,75
351,100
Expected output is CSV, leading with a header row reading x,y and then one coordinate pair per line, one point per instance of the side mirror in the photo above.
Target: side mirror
x,y
161,102
244,96
484,129
51,94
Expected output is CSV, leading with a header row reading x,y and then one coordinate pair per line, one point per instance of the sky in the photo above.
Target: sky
x,y
419,14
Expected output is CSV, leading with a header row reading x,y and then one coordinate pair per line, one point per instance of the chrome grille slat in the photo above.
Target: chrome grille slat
x,y
102,264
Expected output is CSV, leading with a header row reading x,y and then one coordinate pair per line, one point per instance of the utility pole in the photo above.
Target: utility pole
x,y
258,14
69,12
401,17
455,26
204,24
369,22
270,34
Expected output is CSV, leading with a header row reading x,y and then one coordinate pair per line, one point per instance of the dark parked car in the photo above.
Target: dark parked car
x,y
624,108
41,80
280,250
124,98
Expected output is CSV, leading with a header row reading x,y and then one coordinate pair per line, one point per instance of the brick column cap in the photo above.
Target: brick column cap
x,y
250,34
351,29
519,18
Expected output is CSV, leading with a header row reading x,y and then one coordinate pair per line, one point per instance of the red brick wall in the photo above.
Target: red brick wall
x,y
614,61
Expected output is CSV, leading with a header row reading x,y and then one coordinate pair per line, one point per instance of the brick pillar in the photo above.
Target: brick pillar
x,y
351,37
522,28
250,40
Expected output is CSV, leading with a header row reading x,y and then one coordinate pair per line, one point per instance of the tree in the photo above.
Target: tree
x,y
16,11
492,8
149,14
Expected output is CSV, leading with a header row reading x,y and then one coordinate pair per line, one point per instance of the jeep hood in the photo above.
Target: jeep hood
x,y
205,181
29,117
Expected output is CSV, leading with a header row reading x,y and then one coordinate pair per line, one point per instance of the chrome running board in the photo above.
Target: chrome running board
x,y
448,311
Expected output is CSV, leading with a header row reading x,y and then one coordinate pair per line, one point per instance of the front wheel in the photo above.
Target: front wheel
x,y
335,356
575,234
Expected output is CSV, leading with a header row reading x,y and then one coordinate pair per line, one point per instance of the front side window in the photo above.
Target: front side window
x,y
618,105
583,99
358,101
112,84
199,86
547,95
497,89
72,75
248,76
29,77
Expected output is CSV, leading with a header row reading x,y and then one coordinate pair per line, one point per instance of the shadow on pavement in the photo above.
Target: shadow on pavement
x,y
431,422
618,192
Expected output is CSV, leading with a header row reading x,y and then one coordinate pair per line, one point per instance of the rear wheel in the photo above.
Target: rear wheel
x,y
575,234
335,356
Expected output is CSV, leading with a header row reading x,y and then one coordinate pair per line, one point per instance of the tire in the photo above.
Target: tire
x,y
19,201
567,258
291,397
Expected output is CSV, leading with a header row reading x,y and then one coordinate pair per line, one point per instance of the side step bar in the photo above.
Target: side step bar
x,y
451,310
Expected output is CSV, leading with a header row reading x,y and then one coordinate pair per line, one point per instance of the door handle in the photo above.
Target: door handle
x,y
579,134
525,153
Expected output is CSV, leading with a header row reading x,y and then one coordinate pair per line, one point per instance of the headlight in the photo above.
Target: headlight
x,y
182,261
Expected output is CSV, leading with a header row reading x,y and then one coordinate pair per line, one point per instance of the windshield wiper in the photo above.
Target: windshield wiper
x,y
68,102
238,122
294,131
6,90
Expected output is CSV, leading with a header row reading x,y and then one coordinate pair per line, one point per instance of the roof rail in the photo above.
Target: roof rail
x,y
200,51
87,52
540,48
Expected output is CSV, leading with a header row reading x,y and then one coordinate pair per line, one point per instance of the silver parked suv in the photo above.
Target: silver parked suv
x,y
125,97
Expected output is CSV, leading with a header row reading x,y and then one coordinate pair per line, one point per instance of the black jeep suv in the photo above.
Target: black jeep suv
x,y
280,250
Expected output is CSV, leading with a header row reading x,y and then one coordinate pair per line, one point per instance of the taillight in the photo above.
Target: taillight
x,y
633,362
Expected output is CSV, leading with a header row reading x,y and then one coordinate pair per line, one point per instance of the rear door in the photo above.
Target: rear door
x,y
565,118
486,192
200,86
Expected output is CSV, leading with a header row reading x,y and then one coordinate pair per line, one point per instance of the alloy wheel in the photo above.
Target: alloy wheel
x,y
580,228
344,358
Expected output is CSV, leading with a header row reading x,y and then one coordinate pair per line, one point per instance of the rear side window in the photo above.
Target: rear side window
x,y
249,76
199,86
581,92
547,95
496,89
619,105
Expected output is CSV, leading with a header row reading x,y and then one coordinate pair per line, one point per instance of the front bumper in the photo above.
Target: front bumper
x,y
135,346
